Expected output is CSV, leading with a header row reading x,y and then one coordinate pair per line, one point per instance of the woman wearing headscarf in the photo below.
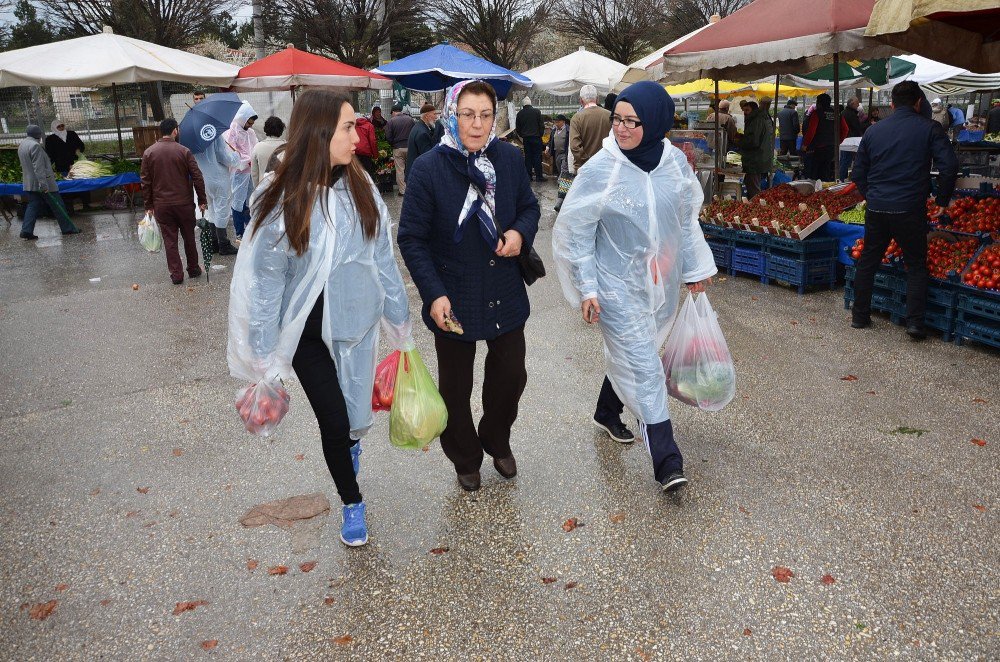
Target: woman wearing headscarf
x,y
242,138
63,147
313,279
626,238
467,214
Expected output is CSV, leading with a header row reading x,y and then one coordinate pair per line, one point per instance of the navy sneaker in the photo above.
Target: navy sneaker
x,y
674,481
354,531
356,457
617,431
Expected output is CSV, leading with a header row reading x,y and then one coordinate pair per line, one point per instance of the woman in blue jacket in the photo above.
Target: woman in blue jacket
x,y
468,213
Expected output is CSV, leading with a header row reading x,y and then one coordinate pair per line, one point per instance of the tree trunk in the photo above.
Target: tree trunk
x,y
155,101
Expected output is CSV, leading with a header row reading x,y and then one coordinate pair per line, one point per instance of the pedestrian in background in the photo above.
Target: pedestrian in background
x,y
854,130
892,171
242,138
468,213
264,150
367,148
993,118
378,121
313,279
756,148
559,144
627,237
818,139
424,136
940,114
215,163
788,128
530,128
588,128
397,133
168,173
726,122
38,182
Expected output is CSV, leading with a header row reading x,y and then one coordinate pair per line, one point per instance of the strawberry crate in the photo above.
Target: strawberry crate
x,y
745,238
749,261
723,254
802,273
801,249
718,231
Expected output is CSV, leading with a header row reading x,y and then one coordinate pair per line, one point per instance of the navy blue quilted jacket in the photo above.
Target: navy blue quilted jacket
x,y
487,293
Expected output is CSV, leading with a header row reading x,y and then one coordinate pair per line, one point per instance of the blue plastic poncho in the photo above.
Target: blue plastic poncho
x,y
273,290
631,238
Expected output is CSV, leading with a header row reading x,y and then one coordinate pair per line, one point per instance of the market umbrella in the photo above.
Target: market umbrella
x,y
291,68
109,59
879,72
944,79
653,63
206,120
963,33
566,75
441,66
705,86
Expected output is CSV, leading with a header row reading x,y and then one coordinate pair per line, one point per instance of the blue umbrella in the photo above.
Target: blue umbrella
x,y
442,66
207,120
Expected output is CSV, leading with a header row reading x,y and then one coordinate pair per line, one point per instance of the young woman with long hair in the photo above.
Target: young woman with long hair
x,y
315,275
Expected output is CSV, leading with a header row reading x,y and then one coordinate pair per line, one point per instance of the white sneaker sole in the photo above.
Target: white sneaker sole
x,y
620,441
674,484
355,543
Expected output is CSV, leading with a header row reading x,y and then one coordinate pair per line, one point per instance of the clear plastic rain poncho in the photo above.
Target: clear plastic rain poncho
x,y
215,164
273,290
243,141
631,239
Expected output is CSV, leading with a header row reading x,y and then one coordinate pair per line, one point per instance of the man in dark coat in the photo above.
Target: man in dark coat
x,y
425,134
854,130
397,133
993,118
530,127
788,127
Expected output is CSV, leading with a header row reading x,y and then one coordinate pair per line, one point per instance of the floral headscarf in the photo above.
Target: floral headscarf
x,y
482,174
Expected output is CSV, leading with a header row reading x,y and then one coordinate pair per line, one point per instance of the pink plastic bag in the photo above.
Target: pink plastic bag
x,y
385,382
262,406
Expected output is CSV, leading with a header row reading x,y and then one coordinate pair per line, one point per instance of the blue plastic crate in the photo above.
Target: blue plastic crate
x,y
802,249
744,238
985,333
802,273
723,254
720,231
749,261
882,301
981,306
941,318
942,294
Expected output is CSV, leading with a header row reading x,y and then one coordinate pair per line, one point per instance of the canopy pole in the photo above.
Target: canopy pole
x,y
871,92
718,138
292,90
777,83
836,115
118,122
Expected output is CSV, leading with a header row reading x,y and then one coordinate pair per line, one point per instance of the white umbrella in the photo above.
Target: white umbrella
x,y
945,79
569,73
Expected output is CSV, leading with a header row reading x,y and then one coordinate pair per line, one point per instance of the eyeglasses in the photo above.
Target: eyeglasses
x,y
469,117
628,122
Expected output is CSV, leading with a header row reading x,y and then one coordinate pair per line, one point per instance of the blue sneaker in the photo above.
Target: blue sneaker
x,y
356,457
354,531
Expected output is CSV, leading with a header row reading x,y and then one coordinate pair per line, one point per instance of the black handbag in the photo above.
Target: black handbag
x,y
530,262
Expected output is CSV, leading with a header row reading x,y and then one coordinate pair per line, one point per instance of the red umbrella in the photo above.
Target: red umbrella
x,y
291,68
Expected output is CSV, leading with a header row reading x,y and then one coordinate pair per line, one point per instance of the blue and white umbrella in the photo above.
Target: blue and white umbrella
x,y
207,120
441,66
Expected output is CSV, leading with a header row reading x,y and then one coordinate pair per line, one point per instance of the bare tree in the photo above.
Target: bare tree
x,y
497,30
624,29
685,16
350,30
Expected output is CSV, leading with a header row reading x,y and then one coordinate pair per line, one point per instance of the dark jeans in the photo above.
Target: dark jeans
x,y
317,373
910,232
174,219
533,156
36,201
503,383
751,181
659,437
786,146
820,165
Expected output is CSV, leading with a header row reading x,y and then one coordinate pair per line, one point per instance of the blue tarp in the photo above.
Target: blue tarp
x,y
79,185
442,66
846,234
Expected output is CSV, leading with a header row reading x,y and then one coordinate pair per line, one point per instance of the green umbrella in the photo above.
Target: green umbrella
x,y
865,73
206,244
56,204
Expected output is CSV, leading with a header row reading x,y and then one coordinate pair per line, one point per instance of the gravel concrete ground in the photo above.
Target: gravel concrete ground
x,y
125,471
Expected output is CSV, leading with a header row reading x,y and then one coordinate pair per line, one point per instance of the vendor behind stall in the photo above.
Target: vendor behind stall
x,y
64,147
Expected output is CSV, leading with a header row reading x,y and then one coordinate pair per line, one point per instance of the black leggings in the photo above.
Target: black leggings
x,y
317,372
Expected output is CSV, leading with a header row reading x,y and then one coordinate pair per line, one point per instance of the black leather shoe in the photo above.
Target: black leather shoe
x,y
28,236
177,281
469,482
915,332
506,467
861,324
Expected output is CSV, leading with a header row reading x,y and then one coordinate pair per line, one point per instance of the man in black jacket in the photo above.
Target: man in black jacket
x,y
788,128
425,134
531,128
397,133
854,130
993,118
892,171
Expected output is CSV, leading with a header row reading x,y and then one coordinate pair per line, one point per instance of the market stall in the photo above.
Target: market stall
x,y
566,75
441,66
291,68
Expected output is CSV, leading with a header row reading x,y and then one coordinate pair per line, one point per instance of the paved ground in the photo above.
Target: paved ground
x,y
107,390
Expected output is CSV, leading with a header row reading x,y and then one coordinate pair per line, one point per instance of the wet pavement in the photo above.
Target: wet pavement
x,y
126,470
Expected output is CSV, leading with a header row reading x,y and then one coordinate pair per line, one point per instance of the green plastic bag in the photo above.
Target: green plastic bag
x,y
418,414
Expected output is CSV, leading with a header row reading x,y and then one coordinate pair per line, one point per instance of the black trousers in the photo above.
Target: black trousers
x,y
533,156
609,405
504,378
317,372
910,232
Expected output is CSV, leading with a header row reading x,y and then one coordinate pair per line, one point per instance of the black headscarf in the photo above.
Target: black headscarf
x,y
655,109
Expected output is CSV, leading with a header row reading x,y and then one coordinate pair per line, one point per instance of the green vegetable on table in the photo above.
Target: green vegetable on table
x,y
855,216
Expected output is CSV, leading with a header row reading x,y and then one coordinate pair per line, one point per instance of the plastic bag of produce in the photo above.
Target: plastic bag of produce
x,y
149,234
418,414
697,363
262,405
385,382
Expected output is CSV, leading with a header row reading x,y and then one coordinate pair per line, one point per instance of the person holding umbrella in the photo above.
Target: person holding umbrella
x,y
39,185
242,138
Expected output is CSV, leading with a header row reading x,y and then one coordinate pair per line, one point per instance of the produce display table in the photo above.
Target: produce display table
x,y
78,185
846,234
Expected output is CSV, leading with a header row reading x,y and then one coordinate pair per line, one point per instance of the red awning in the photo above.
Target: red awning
x,y
292,68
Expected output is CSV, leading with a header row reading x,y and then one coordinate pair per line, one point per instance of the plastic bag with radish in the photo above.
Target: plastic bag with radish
x,y
385,382
697,363
262,405
149,234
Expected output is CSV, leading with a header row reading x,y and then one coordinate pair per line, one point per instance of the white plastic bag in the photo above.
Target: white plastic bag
x,y
696,360
149,234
